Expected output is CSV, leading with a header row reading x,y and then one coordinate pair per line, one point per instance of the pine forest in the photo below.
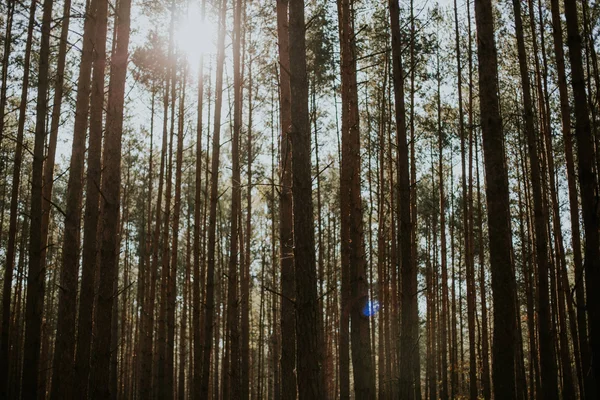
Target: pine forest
x,y
299,199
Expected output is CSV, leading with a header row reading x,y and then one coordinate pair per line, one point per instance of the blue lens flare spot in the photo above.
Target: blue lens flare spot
x,y
371,308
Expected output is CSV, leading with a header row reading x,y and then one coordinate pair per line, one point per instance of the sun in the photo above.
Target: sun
x,y
195,35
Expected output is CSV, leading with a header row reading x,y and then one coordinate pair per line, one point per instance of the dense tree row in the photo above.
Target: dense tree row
x,y
232,199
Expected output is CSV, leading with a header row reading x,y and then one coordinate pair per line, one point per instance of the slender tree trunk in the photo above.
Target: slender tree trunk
x,y
587,183
111,188
311,383
409,339
412,193
71,237
245,286
232,276
6,51
503,279
286,236
172,290
14,203
146,353
467,228
64,348
93,182
351,207
36,276
573,196
181,393
383,358
547,356
199,281
8,24
560,258
483,290
210,278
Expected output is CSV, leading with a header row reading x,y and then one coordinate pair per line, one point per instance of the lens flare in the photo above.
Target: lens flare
x,y
371,308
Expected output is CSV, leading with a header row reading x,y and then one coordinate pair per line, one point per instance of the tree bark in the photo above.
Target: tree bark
x,y
71,244
232,275
111,188
199,281
547,338
14,203
354,263
311,383
503,278
64,348
245,284
36,276
212,219
286,233
92,212
587,184
565,113
409,382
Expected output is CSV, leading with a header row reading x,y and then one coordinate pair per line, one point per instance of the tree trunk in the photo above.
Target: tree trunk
x,y
64,348
71,244
199,281
486,383
573,196
286,235
14,203
212,219
311,383
547,357
172,290
111,188
587,183
6,50
93,182
232,275
245,285
503,278
36,276
409,382
351,207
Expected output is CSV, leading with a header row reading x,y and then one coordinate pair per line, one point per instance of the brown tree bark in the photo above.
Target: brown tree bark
x,y
172,290
199,279
503,278
485,360
232,276
409,383
183,333
36,276
546,343
71,237
565,113
441,319
354,263
587,183
111,188
146,388
6,51
245,284
164,360
64,348
14,203
311,383
92,212
212,221
467,225
286,235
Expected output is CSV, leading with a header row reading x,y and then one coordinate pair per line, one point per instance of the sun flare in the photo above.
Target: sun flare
x,y
195,35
